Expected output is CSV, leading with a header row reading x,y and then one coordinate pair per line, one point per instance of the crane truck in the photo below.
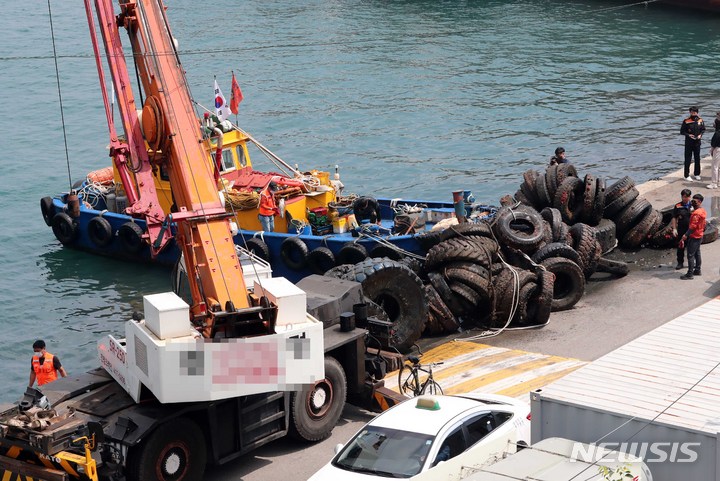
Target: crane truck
x,y
195,382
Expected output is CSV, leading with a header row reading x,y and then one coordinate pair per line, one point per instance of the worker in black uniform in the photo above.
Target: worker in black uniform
x,y
692,128
680,223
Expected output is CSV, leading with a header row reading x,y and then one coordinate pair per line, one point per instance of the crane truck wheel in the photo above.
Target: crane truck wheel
x,y
316,409
175,451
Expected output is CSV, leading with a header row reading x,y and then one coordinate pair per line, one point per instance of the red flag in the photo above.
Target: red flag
x,y
236,96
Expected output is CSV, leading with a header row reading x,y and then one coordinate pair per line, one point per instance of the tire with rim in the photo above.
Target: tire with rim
x,y
294,253
175,451
320,260
569,282
64,228
399,292
406,381
130,235
100,231
259,248
47,209
351,253
316,409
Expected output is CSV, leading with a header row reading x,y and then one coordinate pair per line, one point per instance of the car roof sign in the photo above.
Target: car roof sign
x,y
429,403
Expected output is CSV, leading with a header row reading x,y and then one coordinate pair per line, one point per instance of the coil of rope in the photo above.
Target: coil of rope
x,y
242,200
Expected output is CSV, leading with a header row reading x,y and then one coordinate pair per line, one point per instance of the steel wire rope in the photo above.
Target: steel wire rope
x,y
57,79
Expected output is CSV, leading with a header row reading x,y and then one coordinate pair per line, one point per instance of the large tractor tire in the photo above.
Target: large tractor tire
x,y
399,292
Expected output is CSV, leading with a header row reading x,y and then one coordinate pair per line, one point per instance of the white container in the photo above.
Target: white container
x,y
290,299
167,315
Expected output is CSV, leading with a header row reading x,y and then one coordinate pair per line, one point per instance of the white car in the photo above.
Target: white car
x,y
433,438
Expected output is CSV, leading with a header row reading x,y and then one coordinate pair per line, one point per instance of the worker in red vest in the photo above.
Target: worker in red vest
x,y
268,208
45,367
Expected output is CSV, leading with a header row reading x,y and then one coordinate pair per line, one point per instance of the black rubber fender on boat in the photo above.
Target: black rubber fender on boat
x,y
64,228
100,231
47,209
259,248
351,253
130,235
320,260
294,253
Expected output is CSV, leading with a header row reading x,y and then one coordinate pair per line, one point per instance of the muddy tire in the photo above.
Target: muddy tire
x,y
556,249
520,228
399,292
569,282
382,250
315,410
563,172
479,250
612,209
569,199
440,317
589,198
553,217
537,310
631,216
542,192
598,206
616,268
528,187
175,451
551,180
508,286
466,229
587,247
618,189
605,235
340,271
643,231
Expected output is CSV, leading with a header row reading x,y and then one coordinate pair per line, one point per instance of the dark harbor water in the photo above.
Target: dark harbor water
x,y
411,99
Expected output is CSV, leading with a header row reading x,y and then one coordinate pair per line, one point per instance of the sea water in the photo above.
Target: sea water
x,y
411,98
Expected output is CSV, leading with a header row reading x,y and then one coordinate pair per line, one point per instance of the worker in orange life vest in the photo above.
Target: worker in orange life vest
x,y
45,367
268,208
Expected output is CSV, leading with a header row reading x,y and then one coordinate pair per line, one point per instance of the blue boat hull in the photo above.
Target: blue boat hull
x,y
371,237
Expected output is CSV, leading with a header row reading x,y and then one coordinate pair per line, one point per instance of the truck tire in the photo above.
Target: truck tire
x,y
64,228
315,410
259,248
175,451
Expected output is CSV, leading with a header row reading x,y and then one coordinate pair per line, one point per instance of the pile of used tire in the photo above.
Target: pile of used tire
x,y
532,258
